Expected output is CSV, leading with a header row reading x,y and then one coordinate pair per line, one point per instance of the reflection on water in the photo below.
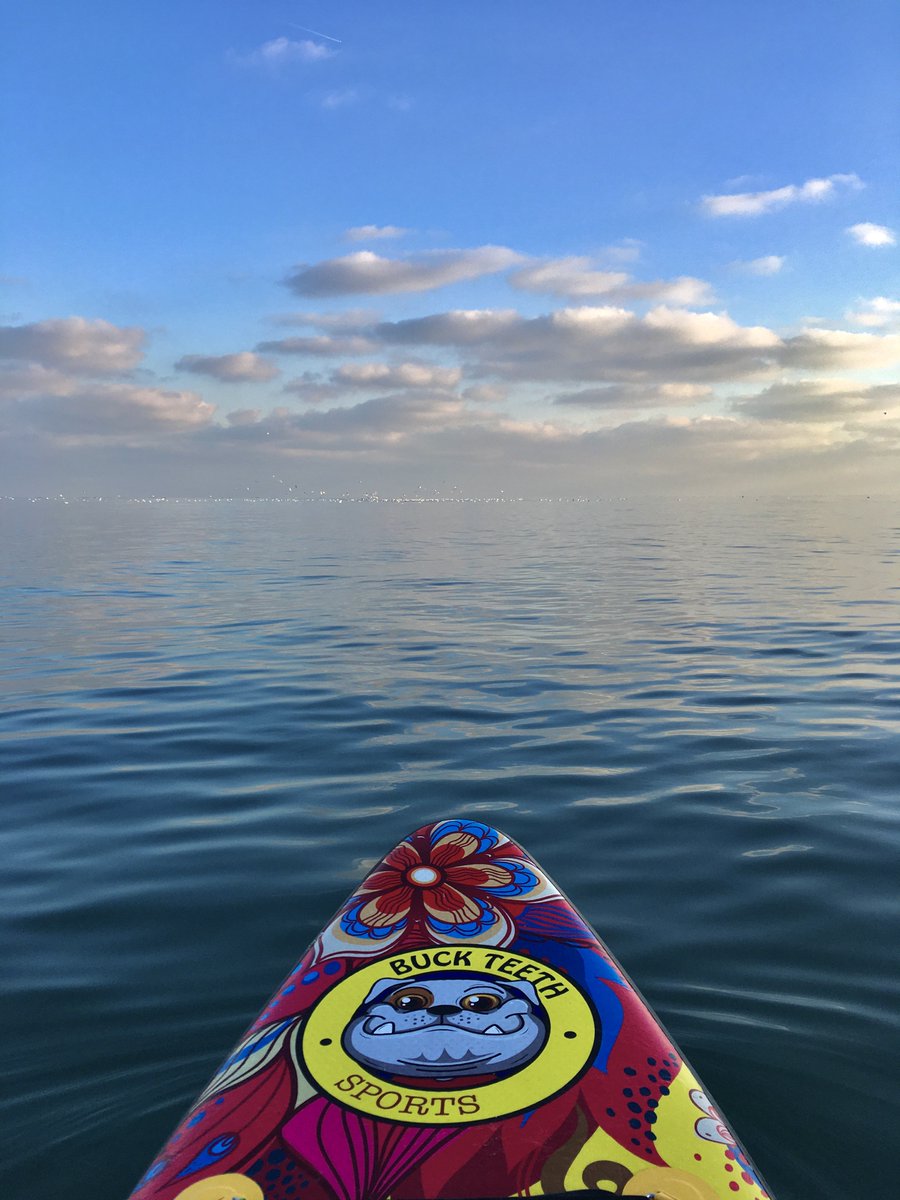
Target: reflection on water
x,y
215,717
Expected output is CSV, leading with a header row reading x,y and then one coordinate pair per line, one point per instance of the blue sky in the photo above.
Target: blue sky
x,y
234,247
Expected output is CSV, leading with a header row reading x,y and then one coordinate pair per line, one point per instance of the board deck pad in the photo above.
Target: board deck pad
x,y
457,1032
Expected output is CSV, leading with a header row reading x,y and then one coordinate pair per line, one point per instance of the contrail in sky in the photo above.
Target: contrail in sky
x,y
315,31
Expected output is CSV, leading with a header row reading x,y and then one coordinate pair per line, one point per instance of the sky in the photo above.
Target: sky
x,y
299,248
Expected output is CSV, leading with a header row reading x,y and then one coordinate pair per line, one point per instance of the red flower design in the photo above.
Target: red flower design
x,y
449,883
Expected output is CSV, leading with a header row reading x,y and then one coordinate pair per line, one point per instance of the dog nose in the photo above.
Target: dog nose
x,y
444,1010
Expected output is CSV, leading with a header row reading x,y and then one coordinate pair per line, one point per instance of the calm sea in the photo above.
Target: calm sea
x,y
216,716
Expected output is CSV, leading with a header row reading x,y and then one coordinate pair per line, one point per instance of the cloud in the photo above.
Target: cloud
x,y
393,439
486,394
340,99
19,380
754,204
110,412
836,349
625,250
367,272
877,312
320,346
867,234
399,375
571,277
315,389
816,400
608,344
459,327
89,347
351,320
312,388
597,344
243,416
385,422
369,233
637,395
578,278
282,52
685,290
769,264
244,367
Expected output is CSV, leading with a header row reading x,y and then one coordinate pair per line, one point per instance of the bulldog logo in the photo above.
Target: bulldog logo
x,y
447,1036
447,1026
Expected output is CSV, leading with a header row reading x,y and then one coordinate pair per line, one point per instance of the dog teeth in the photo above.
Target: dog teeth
x,y
387,1027
493,1029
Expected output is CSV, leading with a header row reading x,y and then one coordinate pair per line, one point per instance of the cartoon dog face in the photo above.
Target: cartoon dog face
x,y
442,1026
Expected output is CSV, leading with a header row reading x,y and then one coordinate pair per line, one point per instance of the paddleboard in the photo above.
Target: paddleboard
x,y
457,1032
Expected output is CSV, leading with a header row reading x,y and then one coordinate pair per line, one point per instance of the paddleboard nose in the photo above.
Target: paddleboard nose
x,y
456,1001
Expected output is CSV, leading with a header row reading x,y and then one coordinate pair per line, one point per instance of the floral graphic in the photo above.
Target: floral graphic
x,y
454,884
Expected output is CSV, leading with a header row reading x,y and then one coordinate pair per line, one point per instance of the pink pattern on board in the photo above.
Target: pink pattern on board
x,y
358,1157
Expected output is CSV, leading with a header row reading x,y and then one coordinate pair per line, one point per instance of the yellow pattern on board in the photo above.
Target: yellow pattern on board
x,y
679,1144
696,1169
222,1187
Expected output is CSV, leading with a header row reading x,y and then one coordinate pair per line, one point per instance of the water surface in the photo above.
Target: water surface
x,y
215,716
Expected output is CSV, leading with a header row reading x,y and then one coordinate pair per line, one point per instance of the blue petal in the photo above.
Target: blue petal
x,y
487,837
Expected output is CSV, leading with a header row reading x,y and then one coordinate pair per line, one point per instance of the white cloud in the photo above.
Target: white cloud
x,y
836,349
282,51
879,312
369,233
394,439
90,347
312,388
625,250
111,412
817,400
367,272
637,395
768,264
244,367
387,422
753,204
577,278
398,375
19,380
319,346
340,99
459,327
685,290
867,234
351,320
597,344
571,277
243,416
486,394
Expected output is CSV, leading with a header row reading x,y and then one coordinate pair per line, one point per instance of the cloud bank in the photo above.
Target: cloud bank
x,y
606,380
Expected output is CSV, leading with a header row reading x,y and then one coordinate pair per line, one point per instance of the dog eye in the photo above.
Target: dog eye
x,y
481,1002
411,999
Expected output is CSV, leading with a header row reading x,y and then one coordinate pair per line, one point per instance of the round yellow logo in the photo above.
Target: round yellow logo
x,y
452,1035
